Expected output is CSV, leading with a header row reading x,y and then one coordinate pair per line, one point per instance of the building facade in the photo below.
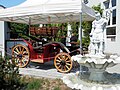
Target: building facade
x,y
112,43
112,31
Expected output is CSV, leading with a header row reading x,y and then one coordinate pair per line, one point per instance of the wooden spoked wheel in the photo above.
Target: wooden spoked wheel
x,y
63,62
20,54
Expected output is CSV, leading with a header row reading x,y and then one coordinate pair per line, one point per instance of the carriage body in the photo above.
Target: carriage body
x,y
41,55
23,51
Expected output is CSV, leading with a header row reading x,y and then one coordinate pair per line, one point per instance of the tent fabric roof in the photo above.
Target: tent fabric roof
x,y
47,11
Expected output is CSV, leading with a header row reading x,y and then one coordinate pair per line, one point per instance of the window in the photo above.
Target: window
x,y
113,3
111,31
111,28
106,4
114,16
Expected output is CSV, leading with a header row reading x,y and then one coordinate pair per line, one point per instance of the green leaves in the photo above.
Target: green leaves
x,y
18,30
98,8
9,74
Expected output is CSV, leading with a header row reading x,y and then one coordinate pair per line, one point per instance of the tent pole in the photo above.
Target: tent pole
x,y
80,33
80,38
29,26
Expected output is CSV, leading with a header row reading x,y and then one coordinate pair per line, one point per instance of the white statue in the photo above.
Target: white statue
x,y
97,35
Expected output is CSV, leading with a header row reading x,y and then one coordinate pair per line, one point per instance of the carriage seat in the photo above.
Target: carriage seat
x,y
38,46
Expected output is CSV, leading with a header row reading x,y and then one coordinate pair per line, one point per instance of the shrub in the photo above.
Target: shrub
x,y
57,88
9,75
35,84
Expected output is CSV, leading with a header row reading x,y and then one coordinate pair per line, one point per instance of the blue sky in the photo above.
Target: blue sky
x,y
10,3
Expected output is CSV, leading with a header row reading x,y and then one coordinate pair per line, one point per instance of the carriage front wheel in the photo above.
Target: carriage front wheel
x,y
63,62
20,55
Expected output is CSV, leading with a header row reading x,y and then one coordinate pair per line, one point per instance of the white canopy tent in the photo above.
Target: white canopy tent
x,y
47,11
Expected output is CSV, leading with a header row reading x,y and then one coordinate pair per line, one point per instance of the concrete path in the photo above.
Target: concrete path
x,y
42,70
48,70
51,73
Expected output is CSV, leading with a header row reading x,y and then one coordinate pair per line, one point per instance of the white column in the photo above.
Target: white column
x,y
2,38
68,35
4,35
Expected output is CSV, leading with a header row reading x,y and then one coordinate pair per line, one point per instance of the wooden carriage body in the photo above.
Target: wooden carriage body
x,y
40,51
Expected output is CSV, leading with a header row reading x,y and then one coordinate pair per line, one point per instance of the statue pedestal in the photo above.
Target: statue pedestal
x,y
97,75
96,64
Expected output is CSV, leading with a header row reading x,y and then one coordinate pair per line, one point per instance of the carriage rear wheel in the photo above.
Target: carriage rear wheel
x,y
20,54
63,62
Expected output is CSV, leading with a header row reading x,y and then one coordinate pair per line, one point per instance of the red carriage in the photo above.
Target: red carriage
x,y
41,51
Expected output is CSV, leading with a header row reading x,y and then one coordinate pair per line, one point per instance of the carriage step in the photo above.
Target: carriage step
x,y
37,60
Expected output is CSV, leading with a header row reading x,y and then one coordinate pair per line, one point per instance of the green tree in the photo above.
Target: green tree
x,y
86,30
75,27
18,30
98,8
